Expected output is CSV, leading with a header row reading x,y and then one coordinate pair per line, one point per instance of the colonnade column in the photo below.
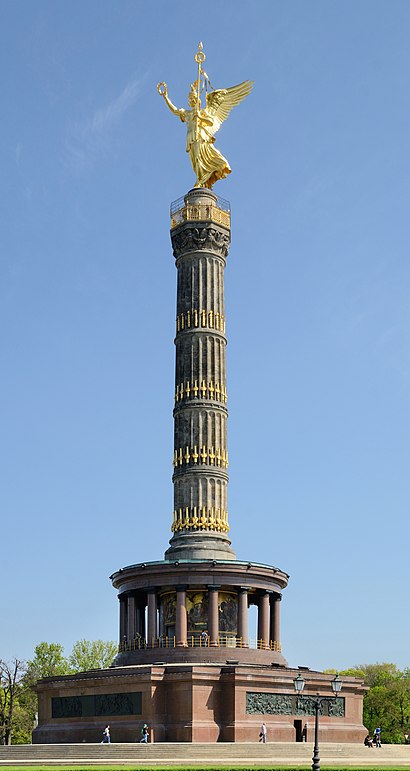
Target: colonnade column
x,y
263,620
181,622
275,620
243,633
140,614
131,618
123,617
213,615
152,616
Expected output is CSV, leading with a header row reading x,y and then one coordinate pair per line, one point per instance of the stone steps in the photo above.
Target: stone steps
x,y
212,754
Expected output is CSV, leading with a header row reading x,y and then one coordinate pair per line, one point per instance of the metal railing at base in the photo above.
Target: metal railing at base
x,y
198,641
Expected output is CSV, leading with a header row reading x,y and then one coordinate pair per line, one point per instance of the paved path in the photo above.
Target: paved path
x,y
219,755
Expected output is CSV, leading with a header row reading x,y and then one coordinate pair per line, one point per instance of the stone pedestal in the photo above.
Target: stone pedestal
x,y
222,702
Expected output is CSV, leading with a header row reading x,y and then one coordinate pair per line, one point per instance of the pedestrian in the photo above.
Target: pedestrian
x,y
106,735
377,737
144,734
204,638
262,734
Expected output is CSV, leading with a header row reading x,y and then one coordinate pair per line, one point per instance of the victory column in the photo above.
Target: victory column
x,y
200,592
188,663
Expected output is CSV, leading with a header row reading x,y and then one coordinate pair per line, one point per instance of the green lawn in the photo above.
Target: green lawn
x,y
193,767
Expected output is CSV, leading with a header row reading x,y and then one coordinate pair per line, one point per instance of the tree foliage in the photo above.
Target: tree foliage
x,y
11,677
387,702
48,661
92,654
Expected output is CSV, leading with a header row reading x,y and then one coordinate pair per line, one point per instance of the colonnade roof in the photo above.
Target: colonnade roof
x,y
231,563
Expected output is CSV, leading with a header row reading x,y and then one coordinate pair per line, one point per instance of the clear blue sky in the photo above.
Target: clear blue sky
x,y
317,294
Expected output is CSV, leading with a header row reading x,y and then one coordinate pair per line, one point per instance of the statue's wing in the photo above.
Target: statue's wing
x,y
220,103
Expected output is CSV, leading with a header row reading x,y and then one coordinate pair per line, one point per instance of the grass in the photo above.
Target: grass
x,y
194,767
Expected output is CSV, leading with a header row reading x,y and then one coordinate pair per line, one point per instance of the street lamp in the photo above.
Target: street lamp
x,y
299,684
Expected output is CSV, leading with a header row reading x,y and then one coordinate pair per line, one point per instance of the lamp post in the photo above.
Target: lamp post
x,y
299,684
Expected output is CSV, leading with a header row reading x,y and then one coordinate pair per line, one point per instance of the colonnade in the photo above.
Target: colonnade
x,y
136,623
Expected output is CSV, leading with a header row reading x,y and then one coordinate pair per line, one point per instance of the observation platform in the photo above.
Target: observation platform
x,y
185,210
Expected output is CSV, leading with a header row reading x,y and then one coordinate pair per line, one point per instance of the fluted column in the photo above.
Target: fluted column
x,y
263,620
152,616
200,237
275,620
213,615
181,622
243,633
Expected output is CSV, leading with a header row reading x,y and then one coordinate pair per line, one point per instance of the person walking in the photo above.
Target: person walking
x,y
377,737
106,735
263,732
144,734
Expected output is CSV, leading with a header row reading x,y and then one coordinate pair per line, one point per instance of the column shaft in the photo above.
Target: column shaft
x,y
123,617
152,617
140,622
131,617
200,518
275,621
263,620
213,615
181,625
243,632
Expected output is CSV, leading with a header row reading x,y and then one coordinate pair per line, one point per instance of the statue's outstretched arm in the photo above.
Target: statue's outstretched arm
x,y
163,91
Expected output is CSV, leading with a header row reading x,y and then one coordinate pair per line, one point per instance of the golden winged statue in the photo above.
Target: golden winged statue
x,y
202,124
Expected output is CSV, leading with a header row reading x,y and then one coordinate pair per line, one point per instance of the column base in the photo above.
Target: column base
x,y
201,546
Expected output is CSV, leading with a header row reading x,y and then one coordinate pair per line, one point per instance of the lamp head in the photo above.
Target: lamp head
x,y
337,684
299,683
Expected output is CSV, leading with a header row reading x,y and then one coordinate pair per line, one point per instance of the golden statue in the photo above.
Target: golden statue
x,y
208,163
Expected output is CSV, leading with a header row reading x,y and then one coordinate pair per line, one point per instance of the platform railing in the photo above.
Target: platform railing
x,y
198,641
200,212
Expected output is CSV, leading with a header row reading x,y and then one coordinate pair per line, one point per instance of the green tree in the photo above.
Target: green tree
x,y
92,654
387,701
18,698
379,674
11,677
399,691
48,661
23,720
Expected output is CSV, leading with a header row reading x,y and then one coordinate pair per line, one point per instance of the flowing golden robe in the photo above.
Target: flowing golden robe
x,y
208,163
